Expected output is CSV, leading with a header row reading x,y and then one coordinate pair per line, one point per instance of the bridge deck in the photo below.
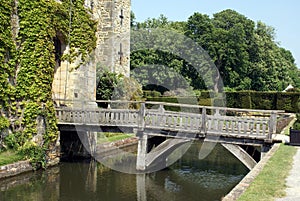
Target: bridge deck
x,y
189,122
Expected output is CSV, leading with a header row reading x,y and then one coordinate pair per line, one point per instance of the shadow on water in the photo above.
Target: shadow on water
x,y
189,179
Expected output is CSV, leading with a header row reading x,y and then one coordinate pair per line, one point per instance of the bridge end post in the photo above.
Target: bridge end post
x,y
142,151
272,126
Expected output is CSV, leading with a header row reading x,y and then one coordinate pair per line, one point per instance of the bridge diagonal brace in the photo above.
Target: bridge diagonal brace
x,y
241,154
162,151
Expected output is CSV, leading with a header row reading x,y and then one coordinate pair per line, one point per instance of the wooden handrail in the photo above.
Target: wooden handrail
x,y
178,105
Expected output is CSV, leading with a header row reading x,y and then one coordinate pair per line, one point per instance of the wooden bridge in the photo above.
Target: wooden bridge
x,y
188,121
184,122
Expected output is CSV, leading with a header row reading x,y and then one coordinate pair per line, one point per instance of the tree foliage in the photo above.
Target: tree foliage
x,y
246,53
114,86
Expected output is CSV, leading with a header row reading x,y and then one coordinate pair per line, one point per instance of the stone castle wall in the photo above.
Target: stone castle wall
x,y
112,51
113,45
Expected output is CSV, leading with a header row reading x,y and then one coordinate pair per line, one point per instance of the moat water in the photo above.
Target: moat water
x,y
189,179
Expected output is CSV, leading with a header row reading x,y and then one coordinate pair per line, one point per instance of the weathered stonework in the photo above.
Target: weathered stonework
x,y
113,44
78,85
15,169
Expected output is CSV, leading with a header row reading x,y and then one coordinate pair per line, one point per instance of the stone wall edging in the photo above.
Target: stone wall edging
x,y
238,190
20,167
15,169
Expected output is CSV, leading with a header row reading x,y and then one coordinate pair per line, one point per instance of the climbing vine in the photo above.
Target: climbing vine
x,y
27,63
7,55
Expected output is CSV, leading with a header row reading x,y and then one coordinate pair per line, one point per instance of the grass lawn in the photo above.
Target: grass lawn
x,y
270,183
9,157
111,137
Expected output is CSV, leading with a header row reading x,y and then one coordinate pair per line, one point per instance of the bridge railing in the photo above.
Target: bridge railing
x,y
187,118
98,117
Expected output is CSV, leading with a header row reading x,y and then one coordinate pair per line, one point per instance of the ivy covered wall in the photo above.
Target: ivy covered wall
x,y
27,63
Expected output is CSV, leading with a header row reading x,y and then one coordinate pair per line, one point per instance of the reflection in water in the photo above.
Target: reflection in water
x,y
189,179
31,186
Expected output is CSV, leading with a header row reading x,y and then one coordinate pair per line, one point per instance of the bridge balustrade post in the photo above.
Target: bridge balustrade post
x,y
204,120
161,109
58,115
272,125
161,112
141,119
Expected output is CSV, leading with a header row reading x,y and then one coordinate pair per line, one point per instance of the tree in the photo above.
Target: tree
x,y
272,64
244,52
113,86
152,23
106,81
132,20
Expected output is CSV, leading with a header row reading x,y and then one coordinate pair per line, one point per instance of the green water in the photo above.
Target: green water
x,y
189,179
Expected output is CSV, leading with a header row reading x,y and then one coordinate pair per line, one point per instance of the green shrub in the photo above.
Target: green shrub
x,y
296,126
151,94
35,153
205,102
206,94
11,142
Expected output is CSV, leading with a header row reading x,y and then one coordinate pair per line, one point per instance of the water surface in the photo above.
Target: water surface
x,y
189,179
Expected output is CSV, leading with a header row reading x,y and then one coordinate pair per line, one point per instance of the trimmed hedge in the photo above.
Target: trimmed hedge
x,y
238,99
290,102
182,100
264,100
151,94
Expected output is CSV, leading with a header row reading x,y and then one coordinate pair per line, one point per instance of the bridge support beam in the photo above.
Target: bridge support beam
x,y
142,151
157,157
241,154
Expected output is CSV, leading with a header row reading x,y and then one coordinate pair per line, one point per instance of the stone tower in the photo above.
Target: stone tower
x,y
78,85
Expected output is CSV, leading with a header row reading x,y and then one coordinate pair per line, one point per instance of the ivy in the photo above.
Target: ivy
x,y
82,38
4,123
7,52
27,63
35,153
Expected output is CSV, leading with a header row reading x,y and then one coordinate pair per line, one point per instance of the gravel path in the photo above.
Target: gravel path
x,y
293,181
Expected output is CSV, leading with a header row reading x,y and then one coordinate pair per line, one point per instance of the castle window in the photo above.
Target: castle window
x,y
120,53
121,17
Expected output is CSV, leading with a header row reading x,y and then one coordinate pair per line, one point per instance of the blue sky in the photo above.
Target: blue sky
x,y
283,15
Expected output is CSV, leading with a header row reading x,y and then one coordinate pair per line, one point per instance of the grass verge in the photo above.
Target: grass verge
x,y
9,157
270,183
